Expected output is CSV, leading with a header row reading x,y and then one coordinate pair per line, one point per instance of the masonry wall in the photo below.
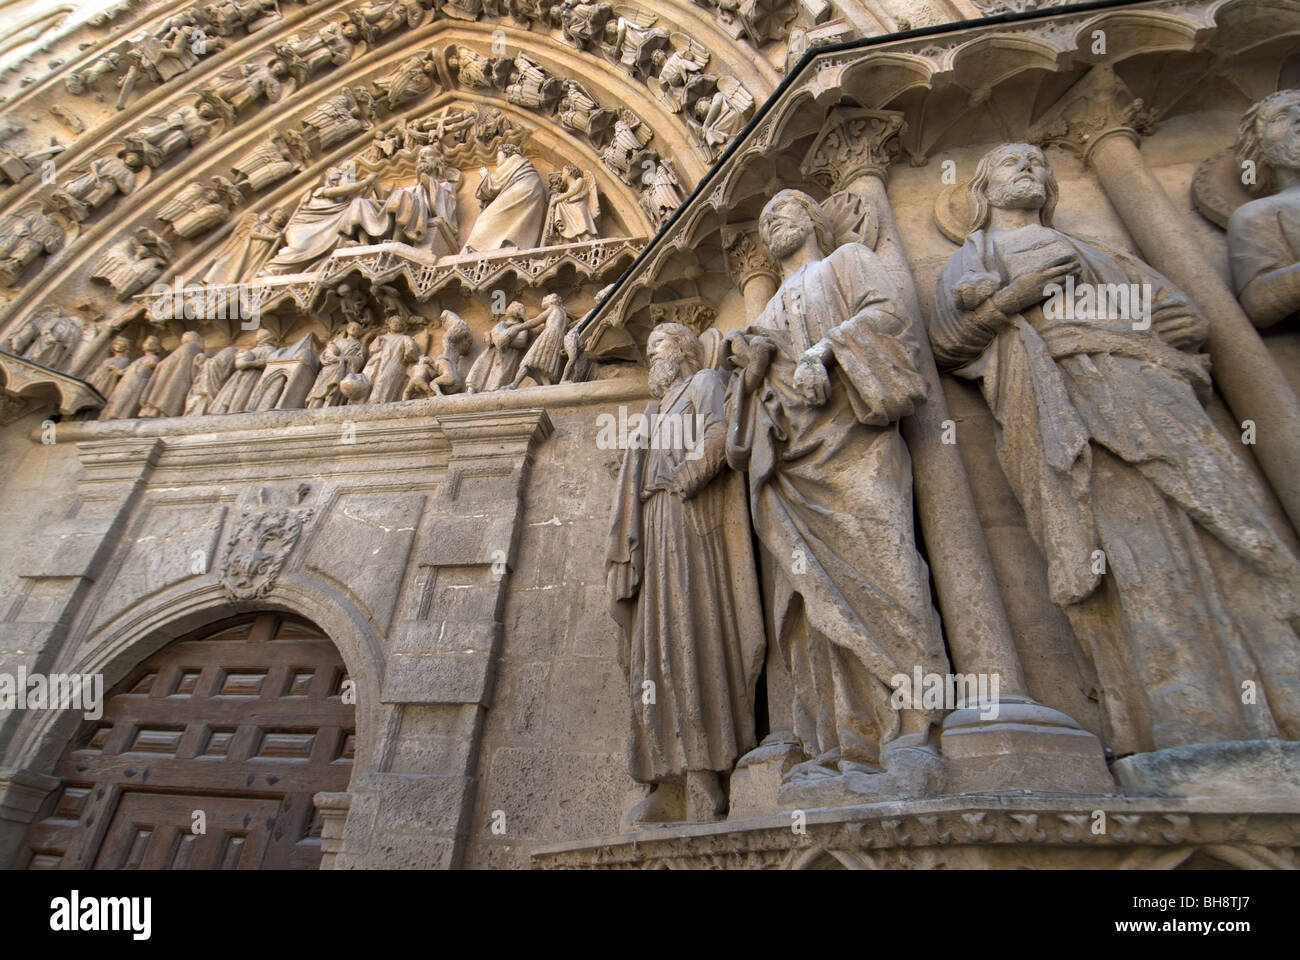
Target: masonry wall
x,y
552,756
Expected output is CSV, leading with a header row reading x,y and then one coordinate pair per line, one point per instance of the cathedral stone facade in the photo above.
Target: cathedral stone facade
x,y
561,434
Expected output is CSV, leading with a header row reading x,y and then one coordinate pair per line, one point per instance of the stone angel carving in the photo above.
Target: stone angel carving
x,y
578,110
718,117
633,41
199,207
133,264
572,212
676,66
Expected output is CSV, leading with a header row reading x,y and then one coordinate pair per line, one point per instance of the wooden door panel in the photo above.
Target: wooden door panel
x,y
155,831
245,722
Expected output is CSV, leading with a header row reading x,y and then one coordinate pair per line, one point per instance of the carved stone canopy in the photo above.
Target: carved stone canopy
x,y
29,379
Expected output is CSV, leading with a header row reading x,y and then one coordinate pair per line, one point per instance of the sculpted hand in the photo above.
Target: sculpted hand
x,y
811,381
1028,289
1180,326
760,351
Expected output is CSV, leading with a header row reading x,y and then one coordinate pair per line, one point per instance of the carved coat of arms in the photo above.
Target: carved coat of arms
x,y
257,549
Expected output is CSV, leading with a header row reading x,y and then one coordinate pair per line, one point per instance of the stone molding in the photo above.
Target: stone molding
x,y
958,832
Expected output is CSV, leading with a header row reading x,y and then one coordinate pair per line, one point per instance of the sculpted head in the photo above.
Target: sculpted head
x,y
152,345
1012,176
429,157
395,323
1269,138
674,353
353,329
121,346
191,336
508,150
279,218
787,221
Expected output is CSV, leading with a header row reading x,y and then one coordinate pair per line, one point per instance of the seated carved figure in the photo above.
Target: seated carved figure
x,y
1104,439
103,178
49,337
514,204
133,264
319,223
22,240
1264,234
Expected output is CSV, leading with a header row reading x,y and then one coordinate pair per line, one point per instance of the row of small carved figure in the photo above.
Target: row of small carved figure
x,y
170,51
355,366
177,44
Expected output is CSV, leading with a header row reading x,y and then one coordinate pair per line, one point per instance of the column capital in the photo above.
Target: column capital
x,y
747,258
1099,106
852,143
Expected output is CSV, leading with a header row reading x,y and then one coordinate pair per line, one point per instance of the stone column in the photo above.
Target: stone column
x,y
1100,120
333,809
1026,745
750,266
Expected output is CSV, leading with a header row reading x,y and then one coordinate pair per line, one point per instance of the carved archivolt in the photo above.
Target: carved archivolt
x,y
192,74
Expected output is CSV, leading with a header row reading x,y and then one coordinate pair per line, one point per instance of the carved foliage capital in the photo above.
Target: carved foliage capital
x,y
854,142
746,256
1098,106
694,312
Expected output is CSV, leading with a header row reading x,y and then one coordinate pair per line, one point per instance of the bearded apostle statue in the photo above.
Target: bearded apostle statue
x,y
683,589
1159,548
1264,234
830,367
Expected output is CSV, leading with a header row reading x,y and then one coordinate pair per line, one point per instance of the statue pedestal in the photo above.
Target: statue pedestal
x,y
973,831
1022,744
756,781
1244,769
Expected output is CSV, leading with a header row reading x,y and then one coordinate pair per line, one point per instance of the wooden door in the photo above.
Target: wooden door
x,y
207,757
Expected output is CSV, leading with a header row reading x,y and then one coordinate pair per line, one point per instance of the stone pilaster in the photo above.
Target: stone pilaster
x,y
414,810
68,556
333,809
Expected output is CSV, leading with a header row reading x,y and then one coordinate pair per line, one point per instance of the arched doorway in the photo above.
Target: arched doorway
x,y
207,756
